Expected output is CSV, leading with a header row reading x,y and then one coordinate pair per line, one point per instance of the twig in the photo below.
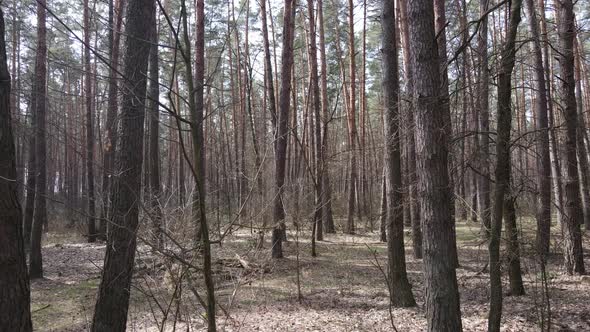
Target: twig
x,y
42,308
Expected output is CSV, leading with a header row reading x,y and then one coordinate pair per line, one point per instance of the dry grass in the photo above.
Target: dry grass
x,y
342,289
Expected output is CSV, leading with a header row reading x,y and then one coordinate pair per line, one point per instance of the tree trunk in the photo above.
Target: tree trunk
x,y
502,174
483,186
513,247
89,127
196,108
282,130
31,183
544,164
349,229
327,215
442,295
572,216
383,212
315,94
581,145
115,12
113,295
40,215
15,311
411,148
440,28
399,286
154,138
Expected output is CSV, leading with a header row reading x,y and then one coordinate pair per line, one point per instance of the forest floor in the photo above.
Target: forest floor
x,y
343,289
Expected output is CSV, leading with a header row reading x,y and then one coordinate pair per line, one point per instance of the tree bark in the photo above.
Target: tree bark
x,y
440,23
502,174
572,216
89,128
442,295
154,138
15,298
327,215
113,295
483,186
349,229
513,247
40,215
544,164
400,290
315,94
411,148
115,21
282,123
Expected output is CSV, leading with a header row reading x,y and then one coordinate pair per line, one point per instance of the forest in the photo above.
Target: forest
x,y
284,165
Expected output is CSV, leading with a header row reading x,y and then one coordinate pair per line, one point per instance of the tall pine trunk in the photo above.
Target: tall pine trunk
x,y
112,304
442,294
572,216
483,185
89,127
544,164
400,290
502,173
15,311
282,133
40,214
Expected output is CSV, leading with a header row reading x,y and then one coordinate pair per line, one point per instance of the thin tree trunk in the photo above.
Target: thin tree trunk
x,y
411,148
502,174
315,95
327,215
383,212
282,133
399,286
40,215
483,186
349,229
544,164
154,125
31,183
89,128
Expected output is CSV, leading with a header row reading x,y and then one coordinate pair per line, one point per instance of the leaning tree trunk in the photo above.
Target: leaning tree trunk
x,y
15,298
400,290
502,174
442,294
110,313
571,218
